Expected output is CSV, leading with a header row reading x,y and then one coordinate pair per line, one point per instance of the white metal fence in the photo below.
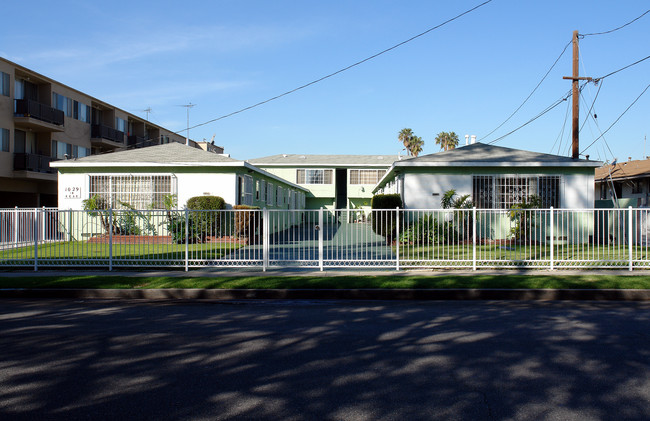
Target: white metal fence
x,y
396,238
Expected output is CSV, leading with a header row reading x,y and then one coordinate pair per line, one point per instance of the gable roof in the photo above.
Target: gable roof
x,y
298,160
480,155
169,154
624,170
483,155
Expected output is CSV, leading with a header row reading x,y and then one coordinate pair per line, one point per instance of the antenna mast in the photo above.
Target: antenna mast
x,y
187,136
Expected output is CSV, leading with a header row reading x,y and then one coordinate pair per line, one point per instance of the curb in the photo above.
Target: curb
x,y
334,294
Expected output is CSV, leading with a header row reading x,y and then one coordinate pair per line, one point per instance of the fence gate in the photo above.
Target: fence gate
x,y
324,238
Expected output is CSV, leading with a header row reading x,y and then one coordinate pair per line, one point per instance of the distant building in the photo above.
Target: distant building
x,y
625,180
332,181
42,120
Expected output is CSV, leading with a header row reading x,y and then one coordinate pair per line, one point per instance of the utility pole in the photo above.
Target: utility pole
x,y
575,154
148,110
187,136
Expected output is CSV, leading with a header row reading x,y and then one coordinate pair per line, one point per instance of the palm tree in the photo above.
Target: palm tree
x,y
416,145
412,143
405,136
447,141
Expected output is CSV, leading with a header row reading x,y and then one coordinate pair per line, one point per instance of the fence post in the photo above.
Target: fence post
x,y
42,225
187,239
110,239
474,238
552,238
629,234
35,228
265,239
320,238
15,224
69,236
397,238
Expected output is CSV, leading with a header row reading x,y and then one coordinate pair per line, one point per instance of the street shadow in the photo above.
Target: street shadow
x,y
323,360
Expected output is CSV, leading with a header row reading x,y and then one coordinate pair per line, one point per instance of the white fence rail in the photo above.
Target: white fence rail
x,y
395,238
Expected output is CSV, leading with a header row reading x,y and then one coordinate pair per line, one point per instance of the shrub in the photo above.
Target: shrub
x,y
204,223
427,230
385,223
248,222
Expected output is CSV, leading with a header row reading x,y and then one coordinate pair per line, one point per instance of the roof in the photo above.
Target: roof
x,y
624,170
297,160
480,154
169,154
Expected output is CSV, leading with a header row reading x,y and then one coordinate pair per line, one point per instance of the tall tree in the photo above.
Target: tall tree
x,y
411,142
447,141
405,136
416,145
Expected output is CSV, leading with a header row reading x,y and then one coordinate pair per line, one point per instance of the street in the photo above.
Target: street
x,y
352,360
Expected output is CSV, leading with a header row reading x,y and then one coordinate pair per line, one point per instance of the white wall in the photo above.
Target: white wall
x,y
72,190
222,185
419,189
578,191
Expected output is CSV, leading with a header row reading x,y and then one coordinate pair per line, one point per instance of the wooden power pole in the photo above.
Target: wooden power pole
x,y
575,154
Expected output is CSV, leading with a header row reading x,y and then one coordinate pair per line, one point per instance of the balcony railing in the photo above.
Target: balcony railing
x,y
32,162
98,131
29,108
141,142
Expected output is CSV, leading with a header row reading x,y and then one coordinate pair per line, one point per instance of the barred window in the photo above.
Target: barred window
x,y
314,176
366,176
135,191
504,192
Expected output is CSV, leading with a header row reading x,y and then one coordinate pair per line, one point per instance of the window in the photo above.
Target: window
x,y
139,192
257,189
314,176
270,198
80,151
61,149
4,83
503,192
366,176
245,190
81,112
62,103
636,187
24,142
120,124
278,196
262,197
4,140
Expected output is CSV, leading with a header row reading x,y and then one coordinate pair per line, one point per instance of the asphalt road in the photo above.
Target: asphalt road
x,y
295,360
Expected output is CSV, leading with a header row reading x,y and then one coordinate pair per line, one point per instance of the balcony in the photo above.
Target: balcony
x,y
140,142
38,117
105,136
33,166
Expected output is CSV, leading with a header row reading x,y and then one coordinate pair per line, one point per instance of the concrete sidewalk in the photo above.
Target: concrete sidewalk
x,y
312,272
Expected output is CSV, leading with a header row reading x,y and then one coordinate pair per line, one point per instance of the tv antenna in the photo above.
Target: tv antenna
x,y
187,136
147,110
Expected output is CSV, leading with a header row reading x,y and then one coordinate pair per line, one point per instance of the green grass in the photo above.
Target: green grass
x,y
84,250
333,282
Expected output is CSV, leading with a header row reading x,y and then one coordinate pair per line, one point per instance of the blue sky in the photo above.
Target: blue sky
x,y
468,76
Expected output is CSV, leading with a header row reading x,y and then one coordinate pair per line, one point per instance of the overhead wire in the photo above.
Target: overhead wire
x,y
549,108
620,27
338,71
619,117
531,93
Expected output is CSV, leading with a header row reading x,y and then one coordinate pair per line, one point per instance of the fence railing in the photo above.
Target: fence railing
x,y
395,238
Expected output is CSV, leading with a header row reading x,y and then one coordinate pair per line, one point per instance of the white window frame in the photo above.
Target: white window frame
x,y
114,193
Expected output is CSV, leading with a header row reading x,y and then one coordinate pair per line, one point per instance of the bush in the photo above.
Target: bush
x,y
427,230
248,220
204,223
206,203
385,223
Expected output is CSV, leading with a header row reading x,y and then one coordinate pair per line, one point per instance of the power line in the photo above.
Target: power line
x,y
596,80
341,70
600,85
620,27
549,108
531,94
619,117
